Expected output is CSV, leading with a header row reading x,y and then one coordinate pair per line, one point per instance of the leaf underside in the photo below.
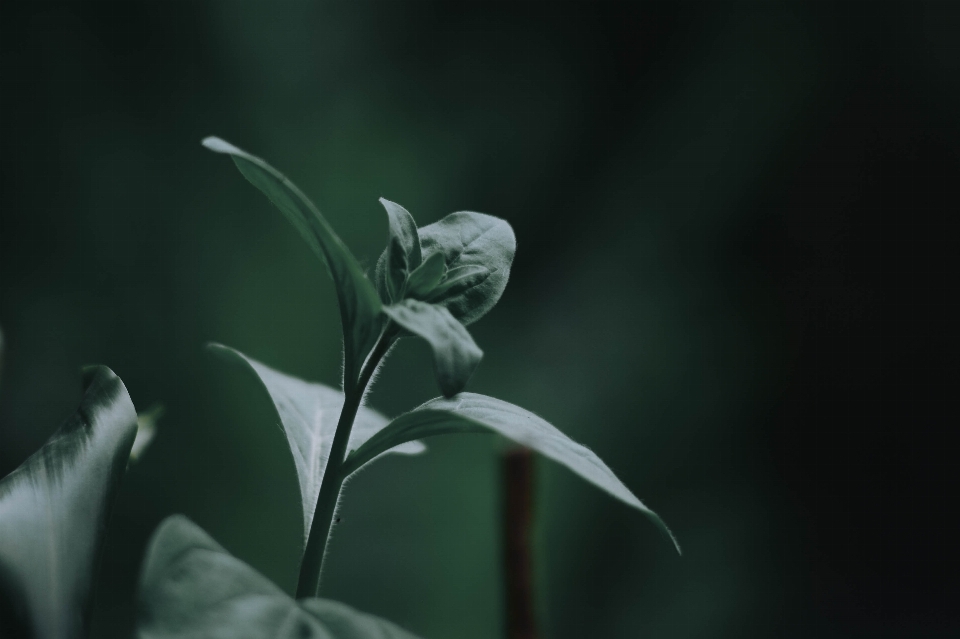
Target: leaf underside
x,y
191,588
402,254
308,413
54,510
455,354
469,412
357,296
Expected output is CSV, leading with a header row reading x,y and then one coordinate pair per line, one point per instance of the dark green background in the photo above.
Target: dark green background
x,y
732,225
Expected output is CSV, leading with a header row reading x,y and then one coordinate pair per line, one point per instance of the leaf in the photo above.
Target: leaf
x,y
426,277
146,430
458,279
191,588
470,413
308,414
469,239
54,510
455,354
402,255
358,299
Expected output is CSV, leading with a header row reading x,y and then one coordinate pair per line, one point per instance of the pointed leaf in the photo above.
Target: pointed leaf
x,y
191,587
358,299
469,412
146,430
455,354
308,413
476,240
54,510
457,280
426,277
402,255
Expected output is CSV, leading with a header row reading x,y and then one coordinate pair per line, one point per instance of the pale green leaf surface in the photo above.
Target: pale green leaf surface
x,y
469,412
402,255
455,354
359,302
191,588
308,414
146,430
54,510
468,239
425,278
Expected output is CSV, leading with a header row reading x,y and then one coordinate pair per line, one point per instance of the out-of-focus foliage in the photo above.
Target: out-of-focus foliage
x,y
192,587
54,510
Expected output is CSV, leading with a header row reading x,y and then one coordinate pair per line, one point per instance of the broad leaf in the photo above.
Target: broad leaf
x,y
455,354
468,239
425,278
469,413
308,413
54,510
402,255
191,587
358,299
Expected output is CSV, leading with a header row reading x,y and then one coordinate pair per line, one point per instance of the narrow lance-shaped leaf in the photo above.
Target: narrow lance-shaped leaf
x,y
191,587
455,354
402,255
466,239
469,412
309,413
54,510
358,299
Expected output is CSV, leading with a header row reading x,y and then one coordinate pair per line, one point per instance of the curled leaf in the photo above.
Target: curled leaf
x,y
54,510
455,354
468,239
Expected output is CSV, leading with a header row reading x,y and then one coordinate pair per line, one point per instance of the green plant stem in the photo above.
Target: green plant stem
x,y
311,565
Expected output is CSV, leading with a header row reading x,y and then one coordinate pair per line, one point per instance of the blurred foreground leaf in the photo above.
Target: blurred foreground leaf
x,y
146,430
470,413
54,510
191,587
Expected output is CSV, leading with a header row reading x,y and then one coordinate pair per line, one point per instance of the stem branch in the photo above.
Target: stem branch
x,y
312,562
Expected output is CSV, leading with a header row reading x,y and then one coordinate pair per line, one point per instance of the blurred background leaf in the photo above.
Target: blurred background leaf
x,y
714,205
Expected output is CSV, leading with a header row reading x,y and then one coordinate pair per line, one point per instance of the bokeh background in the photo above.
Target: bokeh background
x,y
735,223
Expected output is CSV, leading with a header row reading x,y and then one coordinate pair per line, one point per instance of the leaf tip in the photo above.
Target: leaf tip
x,y
218,145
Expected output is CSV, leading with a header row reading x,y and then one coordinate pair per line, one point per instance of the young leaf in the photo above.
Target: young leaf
x,y
146,430
426,277
402,255
457,280
309,413
54,510
358,299
474,240
470,413
191,587
455,354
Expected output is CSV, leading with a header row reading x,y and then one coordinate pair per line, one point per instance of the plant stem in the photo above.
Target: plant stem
x,y
518,465
312,563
